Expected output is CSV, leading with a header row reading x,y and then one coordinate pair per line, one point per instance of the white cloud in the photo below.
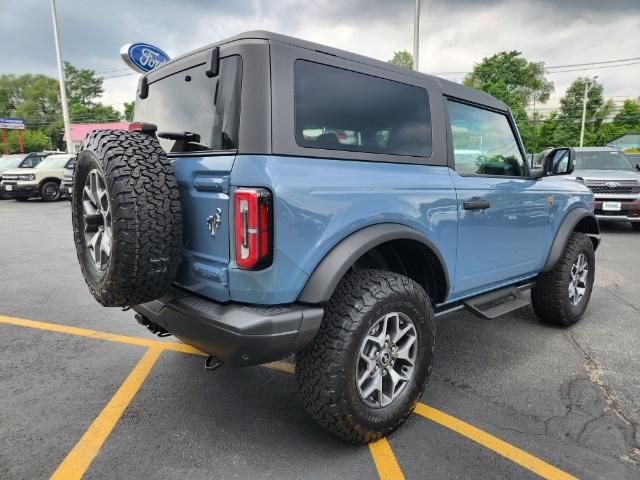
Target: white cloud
x,y
455,34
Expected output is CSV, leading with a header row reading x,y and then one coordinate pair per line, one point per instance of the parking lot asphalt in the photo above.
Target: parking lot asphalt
x,y
87,391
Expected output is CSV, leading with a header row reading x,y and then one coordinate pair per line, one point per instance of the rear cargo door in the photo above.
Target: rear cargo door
x,y
197,115
204,192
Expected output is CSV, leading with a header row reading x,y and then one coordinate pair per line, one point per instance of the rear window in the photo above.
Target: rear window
x,y
189,101
338,109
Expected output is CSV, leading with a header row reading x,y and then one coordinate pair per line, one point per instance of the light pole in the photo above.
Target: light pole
x,y
63,88
416,36
588,85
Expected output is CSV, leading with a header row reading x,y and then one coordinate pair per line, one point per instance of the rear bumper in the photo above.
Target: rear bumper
x,y
235,333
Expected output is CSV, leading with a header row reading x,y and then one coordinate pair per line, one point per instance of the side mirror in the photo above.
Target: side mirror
x,y
558,161
638,166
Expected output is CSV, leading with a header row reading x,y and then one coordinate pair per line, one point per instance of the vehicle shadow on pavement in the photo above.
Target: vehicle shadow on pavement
x,y
246,423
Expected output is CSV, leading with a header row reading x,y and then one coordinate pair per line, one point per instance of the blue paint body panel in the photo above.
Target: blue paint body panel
x,y
320,202
204,186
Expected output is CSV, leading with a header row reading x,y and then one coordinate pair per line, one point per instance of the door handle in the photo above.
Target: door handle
x,y
476,204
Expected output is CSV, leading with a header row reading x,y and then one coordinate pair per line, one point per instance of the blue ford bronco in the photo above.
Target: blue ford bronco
x,y
277,197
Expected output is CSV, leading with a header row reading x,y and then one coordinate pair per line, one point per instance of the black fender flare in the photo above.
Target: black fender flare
x,y
328,273
567,227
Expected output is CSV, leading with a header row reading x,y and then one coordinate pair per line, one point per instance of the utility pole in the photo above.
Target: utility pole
x,y
63,88
588,85
416,36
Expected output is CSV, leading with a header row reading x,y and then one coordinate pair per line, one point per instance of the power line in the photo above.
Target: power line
x,y
592,63
593,68
599,65
112,71
118,76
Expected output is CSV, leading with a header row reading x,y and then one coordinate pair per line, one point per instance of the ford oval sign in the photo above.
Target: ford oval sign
x,y
143,57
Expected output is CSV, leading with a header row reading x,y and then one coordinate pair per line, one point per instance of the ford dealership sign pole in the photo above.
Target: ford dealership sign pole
x,y
143,57
63,91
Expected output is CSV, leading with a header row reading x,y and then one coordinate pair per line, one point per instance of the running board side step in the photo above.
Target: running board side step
x,y
499,302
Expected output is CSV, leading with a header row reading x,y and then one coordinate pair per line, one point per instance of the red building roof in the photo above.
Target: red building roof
x,y
80,130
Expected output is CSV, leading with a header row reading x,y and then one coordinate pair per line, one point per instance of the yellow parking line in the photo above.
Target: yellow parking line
x,y
80,457
282,366
487,440
385,460
112,337
381,451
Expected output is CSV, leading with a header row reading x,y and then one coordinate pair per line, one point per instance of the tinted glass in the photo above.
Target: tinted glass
x,y
31,161
190,101
483,142
602,160
339,109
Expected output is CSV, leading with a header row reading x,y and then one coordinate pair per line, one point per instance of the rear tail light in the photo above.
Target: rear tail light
x,y
143,127
253,228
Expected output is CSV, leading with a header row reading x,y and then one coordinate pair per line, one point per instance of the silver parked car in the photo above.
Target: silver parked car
x,y
614,180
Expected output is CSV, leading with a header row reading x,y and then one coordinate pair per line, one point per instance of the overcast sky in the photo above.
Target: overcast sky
x,y
454,34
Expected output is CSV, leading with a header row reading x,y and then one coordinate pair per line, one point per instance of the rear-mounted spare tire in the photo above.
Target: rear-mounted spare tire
x,y
127,220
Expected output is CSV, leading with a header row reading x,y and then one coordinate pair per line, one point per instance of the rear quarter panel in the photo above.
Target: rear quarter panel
x,y
319,202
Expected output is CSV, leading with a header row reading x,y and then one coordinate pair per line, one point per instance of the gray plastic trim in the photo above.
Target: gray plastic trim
x,y
235,333
329,272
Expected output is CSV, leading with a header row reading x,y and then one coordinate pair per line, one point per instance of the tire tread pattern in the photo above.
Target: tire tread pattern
x,y
320,366
550,298
146,218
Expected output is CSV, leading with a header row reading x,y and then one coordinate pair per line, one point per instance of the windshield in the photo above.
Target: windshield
x,y
11,161
602,160
190,101
54,161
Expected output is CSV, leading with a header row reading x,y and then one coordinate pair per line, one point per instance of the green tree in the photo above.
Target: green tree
x,y
33,141
511,78
629,115
128,111
83,86
569,118
36,100
516,81
402,59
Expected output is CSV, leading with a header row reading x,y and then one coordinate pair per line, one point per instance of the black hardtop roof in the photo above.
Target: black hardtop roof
x,y
448,87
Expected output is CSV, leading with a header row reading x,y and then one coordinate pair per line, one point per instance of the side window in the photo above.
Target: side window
x,y
32,161
483,142
338,109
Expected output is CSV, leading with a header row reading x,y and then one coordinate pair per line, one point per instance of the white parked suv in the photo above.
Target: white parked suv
x,y
43,180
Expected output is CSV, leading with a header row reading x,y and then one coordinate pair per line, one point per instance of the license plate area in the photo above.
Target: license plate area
x,y
611,206
8,188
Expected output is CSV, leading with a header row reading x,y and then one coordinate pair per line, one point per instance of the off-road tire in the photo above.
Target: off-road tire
x,y
50,191
326,370
635,226
550,297
145,212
